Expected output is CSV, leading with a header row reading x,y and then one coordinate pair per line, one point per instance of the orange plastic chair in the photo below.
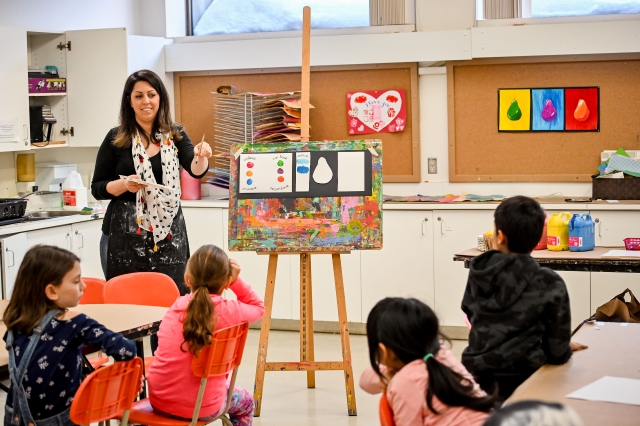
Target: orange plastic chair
x,y
107,393
386,415
142,288
94,293
218,359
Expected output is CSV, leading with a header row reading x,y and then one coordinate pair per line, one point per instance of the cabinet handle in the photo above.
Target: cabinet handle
x,y
25,130
424,229
442,225
68,241
78,233
13,259
599,227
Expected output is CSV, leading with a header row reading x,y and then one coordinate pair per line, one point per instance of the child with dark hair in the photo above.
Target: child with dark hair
x,y
534,413
188,327
45,339
519,311
423,382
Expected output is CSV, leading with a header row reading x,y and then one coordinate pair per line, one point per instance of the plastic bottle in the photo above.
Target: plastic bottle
x,y
558,231
582,232
543,241
74,193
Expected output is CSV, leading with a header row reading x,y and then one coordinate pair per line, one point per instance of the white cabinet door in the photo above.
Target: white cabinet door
x,y
96,73
59,236
579,289
254,272
454,231
13,250
404,266
612,227
86,245
325,305
14,88
606,285
204,226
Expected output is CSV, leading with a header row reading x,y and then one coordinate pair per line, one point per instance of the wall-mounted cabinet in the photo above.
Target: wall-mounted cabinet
x,y
14,104
96,64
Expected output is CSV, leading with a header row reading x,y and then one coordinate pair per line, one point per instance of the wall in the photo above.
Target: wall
x,y
438,15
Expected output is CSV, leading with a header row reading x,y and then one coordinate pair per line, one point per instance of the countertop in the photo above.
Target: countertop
x,y
47,223
216,202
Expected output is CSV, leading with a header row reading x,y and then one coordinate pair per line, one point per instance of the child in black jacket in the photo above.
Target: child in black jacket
x,y
519,311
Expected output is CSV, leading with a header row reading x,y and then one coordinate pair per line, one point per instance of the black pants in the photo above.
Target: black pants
x,y
505,385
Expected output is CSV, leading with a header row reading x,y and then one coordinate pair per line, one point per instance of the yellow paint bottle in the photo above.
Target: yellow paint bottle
x,y
558,231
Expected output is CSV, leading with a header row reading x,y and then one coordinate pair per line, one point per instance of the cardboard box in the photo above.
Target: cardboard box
x,y
47,85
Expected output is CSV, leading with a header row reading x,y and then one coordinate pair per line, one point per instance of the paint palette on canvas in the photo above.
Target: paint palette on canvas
x,y
306,196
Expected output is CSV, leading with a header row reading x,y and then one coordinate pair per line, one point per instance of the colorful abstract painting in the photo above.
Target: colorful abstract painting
x,y
548,109
514,110
376,111
284,220
582,108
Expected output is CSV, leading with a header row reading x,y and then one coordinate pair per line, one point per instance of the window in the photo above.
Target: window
x,y
251,16
550,8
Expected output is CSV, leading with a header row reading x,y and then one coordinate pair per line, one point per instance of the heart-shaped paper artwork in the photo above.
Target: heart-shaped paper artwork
x,y
376,111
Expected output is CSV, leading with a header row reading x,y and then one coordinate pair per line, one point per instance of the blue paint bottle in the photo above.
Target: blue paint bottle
x,y
582,232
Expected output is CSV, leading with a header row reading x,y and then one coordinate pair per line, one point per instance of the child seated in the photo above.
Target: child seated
x,y
44,339
424,383
188,326
519,311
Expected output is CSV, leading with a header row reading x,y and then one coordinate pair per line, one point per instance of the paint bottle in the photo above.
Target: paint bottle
x,y
74,193
582,232
542,245
558,231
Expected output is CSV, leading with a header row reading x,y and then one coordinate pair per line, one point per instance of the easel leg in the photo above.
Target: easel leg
x,y
306,317
264,334
344,335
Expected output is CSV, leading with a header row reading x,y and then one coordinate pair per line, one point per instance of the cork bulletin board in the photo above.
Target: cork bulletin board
x,y
328,120
478,152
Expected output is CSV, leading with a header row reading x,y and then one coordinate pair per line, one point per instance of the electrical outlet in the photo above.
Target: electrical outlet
x,y
433,165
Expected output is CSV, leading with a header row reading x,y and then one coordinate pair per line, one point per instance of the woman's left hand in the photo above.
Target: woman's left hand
x,y
203,149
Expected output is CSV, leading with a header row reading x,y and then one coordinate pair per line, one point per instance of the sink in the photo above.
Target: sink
x,y
38,215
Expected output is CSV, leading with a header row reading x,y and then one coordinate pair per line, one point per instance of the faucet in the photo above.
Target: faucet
x,y
39,193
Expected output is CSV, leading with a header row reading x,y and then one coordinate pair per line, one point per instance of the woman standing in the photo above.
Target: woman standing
x,y
143,228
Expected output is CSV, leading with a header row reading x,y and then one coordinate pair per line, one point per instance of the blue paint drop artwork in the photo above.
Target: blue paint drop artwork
x,y
548,109
302,161
249,181
302,169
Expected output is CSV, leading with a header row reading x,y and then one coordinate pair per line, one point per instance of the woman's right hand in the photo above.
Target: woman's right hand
x,y
132,186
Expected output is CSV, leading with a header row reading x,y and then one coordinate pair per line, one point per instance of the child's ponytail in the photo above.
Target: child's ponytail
x,y
453,389
208,271
198,324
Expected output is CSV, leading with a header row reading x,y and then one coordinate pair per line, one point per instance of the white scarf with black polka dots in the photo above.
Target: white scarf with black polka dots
x,y
156,208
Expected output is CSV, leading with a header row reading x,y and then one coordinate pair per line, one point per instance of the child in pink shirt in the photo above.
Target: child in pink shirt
x,y
188,326
424,383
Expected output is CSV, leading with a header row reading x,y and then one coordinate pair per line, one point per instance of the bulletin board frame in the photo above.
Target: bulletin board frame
x,y
193,108
478,152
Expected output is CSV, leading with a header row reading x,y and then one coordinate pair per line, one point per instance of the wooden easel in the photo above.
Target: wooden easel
x,y
307,356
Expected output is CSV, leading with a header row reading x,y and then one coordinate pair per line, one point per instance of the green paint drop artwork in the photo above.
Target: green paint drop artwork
x,y
514,113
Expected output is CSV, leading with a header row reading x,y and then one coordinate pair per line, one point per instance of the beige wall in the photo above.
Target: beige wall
x,y
441,15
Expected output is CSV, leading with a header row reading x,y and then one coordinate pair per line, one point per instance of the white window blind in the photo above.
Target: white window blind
x,y
503,9
387,12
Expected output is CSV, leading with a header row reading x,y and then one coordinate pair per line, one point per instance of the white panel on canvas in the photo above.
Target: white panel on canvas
x,y
350,171
303,170
265,173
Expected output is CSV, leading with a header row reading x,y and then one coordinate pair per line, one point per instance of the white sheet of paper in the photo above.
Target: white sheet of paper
x,y
261,173
618,390
9,130
612,201
149,184
350,171
622,253
303,171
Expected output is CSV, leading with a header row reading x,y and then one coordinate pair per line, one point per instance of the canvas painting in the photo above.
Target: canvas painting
x,y
376,111
547,109
332,200
514,110
582,108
